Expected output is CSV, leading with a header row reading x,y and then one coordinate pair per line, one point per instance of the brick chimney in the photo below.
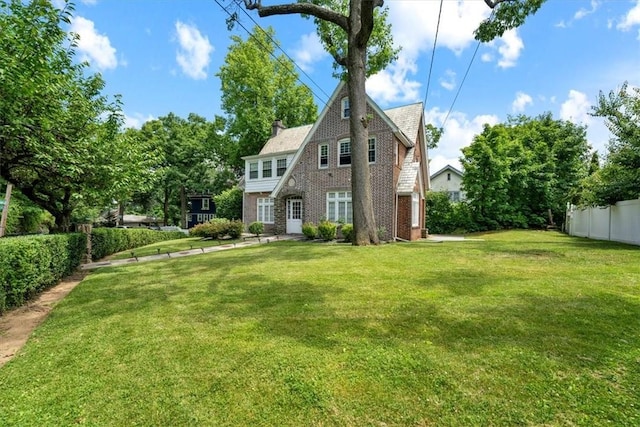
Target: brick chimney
x,y
277,127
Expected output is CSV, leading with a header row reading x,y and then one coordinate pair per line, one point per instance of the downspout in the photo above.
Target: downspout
x,y
395,219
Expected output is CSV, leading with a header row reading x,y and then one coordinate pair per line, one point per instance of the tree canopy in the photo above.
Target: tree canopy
x,y
259,87
619,178
522,173
59,136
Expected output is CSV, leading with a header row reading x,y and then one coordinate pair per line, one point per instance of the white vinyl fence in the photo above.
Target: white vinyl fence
x,y
619,222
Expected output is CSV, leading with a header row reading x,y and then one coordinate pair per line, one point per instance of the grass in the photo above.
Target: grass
x,y
523,328
172,246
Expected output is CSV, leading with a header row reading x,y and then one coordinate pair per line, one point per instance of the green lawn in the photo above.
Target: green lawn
x,y
523,328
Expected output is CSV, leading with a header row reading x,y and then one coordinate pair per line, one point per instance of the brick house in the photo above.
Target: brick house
x,y
303,174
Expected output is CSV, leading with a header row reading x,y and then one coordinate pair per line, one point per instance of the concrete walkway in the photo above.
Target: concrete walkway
x,y
247,242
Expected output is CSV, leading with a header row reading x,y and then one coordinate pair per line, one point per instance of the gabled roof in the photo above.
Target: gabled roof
x,y
407,119
289,139
406,129
446,168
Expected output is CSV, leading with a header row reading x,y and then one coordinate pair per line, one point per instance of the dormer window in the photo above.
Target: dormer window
x,y
346,112
253,170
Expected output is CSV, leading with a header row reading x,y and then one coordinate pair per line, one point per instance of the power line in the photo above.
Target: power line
x,y
234,17
433,54
461,83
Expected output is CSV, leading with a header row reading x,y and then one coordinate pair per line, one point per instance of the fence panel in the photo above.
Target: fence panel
x,y
620,222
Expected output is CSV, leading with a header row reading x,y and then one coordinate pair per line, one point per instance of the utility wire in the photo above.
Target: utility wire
x,y
273,55
433,54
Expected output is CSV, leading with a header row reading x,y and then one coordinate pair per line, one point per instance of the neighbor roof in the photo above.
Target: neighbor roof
x,y
287,140
448,167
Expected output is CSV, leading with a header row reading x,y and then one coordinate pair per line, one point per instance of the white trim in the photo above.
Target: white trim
x,y
264,210
344,141
205,202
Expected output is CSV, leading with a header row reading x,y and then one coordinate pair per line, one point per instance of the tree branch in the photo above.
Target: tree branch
x,y
493,3
299,8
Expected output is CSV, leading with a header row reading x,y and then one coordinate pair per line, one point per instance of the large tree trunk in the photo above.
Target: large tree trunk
x,y
364,224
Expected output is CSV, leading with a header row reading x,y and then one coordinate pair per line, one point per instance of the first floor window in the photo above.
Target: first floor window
x,y
265,210
339,206
281,165
253,170
415,210
344,156
199,217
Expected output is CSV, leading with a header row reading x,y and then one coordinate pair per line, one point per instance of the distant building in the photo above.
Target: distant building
x,y
449,180
202,208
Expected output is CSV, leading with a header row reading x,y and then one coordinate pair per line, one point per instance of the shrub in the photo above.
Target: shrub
x,y
347,232
327,230
236,228
309,230
229,204
218,228
107,241
31,264
256,228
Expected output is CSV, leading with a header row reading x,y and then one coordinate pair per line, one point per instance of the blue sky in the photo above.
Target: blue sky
x,y
163,56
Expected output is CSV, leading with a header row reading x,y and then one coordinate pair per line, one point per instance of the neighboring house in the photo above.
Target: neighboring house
x,y
202,208
449,180
303,174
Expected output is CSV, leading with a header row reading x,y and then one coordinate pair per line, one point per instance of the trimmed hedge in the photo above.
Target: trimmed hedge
x,y
218,228
107,241
31,264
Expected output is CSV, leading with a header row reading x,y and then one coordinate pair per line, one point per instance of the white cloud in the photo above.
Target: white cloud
x,y
576,108
521,102
136,120
93,47
449,80
631,19
194,53
392,85
309,51
459,132
414,27
486,57
510,47
584,12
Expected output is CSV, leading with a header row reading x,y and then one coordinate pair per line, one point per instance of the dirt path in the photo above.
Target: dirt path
x,y
16,325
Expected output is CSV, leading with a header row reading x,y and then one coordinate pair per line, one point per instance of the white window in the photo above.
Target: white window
x,y
266,169
339,206
253,170
344,153
372,150
346,111
454,196
415,210
323,156
395,153
205,204
265,210
281,167
199,217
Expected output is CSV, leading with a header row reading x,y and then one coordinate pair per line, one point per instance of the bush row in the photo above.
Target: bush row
x,y
327,230
107,241
31,264
218,228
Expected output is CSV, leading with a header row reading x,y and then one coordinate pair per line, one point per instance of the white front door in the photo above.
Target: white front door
x,y
294,216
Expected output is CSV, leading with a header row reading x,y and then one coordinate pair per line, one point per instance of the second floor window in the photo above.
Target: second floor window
x,y
344,155
205,204
281,165
323,156
253,170
266,169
